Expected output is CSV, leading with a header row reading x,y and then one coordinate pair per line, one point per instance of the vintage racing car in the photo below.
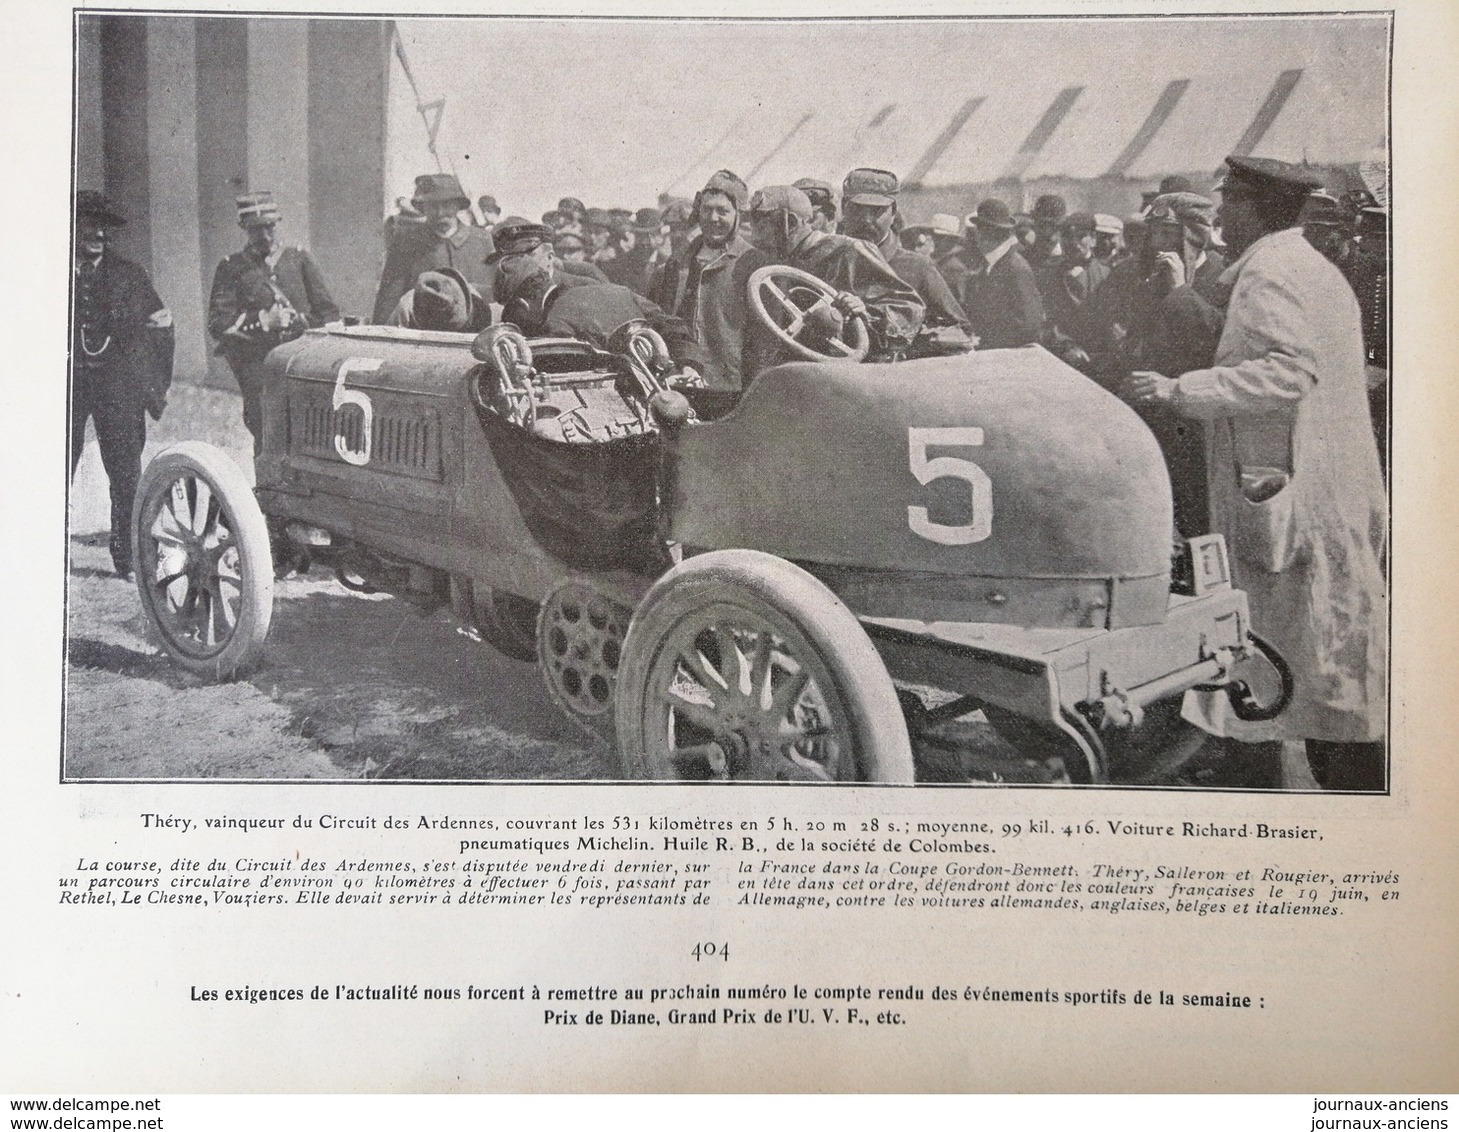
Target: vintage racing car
x,y
733,598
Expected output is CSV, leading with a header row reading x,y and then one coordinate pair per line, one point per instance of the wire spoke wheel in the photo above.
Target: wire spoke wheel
x,y
203,568
741,667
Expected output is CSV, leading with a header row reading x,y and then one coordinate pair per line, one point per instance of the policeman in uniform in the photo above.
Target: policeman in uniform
x,y
121,362
437,239
263,295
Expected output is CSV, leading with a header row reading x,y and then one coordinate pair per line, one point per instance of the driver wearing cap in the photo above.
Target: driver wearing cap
x,y
866,286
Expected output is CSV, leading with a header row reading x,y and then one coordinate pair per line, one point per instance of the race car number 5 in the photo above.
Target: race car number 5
x,y
950,467
342,397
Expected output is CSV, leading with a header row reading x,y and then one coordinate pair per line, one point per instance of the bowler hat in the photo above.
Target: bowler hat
x,y
572,205
91,205
1050,209
516,235
992,213
257,209
488,204
440,188
1079,224
1175,183
648,220
869,186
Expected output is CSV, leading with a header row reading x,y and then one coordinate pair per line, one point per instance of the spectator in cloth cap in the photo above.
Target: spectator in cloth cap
x,y
823,203
866,287
1000,295
869,212
1295,484
705,283
490,211
438,240
441,300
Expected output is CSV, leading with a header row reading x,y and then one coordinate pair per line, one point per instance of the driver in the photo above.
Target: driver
x,y
867,287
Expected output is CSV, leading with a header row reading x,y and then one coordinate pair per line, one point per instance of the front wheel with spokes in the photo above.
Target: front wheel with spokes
x,y
203,566
741,666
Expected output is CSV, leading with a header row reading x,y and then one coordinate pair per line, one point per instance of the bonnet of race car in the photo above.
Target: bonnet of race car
x,y
995,486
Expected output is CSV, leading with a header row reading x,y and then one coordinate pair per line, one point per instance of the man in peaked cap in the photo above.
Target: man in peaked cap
x,y
121,362
518,236
705,283
261,296
869,211
865,284
823,203
438,240
1295,482
1000,294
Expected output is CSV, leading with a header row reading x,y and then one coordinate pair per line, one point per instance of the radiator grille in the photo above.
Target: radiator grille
x,y
404,445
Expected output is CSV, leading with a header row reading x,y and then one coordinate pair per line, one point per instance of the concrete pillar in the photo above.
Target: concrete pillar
x,y
172,158
90,127
347,95
278,115
125,158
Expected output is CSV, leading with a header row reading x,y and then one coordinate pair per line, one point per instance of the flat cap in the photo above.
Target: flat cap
x,y
1188,209
1269,177
1079,223
1107,224
869,186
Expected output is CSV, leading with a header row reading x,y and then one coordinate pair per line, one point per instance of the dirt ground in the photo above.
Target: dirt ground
x,y
366,687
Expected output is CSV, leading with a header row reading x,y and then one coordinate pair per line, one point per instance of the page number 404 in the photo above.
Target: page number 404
x,y
980,487
711,951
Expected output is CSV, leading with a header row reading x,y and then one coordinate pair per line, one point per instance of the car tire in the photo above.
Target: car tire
x,y
740,665
204,570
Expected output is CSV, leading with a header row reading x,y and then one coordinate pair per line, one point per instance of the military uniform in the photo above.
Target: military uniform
x,y
245,285
121,367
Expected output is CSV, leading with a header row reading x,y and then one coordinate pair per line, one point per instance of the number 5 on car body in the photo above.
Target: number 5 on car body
x,y
950,467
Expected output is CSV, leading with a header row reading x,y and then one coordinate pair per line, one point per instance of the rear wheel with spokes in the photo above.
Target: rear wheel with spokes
x,y
203,567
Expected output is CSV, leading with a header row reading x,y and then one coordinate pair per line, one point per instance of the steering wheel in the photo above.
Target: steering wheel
x,y
801,302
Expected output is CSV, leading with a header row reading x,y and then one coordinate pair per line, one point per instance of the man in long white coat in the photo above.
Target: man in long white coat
x,y
1294,479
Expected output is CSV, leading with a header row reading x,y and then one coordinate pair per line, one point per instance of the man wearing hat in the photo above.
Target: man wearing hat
x,y
1108,238
442,300
869,210
1295,482
516,235
823,203
537,303
490,211
1048,219
438,240
1069,283
866,286
941,241
636,251
121,362
1328,228
1000,295
263,295
706,283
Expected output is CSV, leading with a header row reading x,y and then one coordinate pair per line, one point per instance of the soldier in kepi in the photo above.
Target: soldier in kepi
x,y
262,296
121,362
429,238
